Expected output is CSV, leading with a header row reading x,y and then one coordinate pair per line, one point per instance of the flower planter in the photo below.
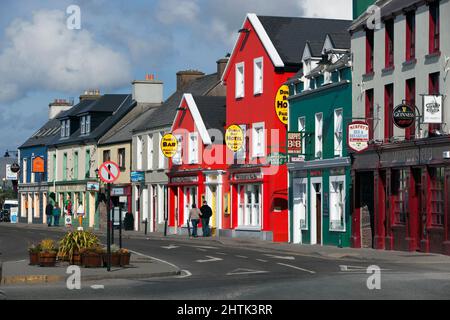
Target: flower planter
x,y
34,258
47,259
76,259
125,259
115,260
91,260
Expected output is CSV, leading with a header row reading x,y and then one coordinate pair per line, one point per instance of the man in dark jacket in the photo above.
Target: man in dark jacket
x,y
49,213
206,215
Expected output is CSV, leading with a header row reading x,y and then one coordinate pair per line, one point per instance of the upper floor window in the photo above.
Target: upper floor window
x,y
327,77
319,136
258,140
338,132
85,124
370,112
302,130
150,151
106,155
161,157
369,50
139,151
65,128
389,43
388,109
121,159
434,89
240,80
410,35
178,157
258,73
434,27
193,148
24,170
410,96
242,153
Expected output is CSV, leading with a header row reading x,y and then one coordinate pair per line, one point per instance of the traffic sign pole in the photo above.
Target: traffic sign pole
x,y
108,233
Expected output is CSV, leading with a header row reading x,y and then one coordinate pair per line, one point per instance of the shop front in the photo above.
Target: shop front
x,y
33,200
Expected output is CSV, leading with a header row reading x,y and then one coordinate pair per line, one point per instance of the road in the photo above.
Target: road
x,y
213,271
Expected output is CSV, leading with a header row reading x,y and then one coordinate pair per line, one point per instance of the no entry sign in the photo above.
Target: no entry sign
x,y
109,172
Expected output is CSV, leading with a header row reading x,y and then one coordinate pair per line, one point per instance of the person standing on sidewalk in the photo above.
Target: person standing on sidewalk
x,y
49,213
80,215
194,217
56,214
206,215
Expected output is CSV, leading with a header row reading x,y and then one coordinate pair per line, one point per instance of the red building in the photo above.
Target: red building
x,y
197,171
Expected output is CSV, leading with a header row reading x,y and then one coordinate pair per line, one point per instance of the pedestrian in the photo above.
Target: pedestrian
x,y
80,215
206,216
194,216
56,214
49,213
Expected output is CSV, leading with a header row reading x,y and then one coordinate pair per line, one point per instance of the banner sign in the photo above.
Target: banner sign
x,y
358,136
169,145
38,165
234,138
282,104
432,109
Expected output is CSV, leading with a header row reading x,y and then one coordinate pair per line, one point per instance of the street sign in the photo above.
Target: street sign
x,y
109,172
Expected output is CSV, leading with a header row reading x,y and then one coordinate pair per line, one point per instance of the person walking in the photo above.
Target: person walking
x,y
206,216
194,217
80,215
56,214
49,213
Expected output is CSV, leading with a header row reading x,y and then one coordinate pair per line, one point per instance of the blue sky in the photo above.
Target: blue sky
x,y
119,41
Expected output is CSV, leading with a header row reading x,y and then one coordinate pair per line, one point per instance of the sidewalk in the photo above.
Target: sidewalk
x,y
325,252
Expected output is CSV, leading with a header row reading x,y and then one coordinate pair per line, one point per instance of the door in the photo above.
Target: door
x,y
154,207
189,200
299,216
316,211
319,216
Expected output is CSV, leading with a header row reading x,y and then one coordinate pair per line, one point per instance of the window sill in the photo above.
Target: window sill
x,y
368,75
387,70
410,62
433,55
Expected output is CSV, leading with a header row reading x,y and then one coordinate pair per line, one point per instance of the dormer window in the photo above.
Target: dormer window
x,y
85,125
65,128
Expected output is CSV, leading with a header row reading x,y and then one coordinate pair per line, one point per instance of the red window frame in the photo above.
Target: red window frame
x,y
434,27
389,43
388,109
369,51
433,88
410,36
369,111
437,207
399,187
410,96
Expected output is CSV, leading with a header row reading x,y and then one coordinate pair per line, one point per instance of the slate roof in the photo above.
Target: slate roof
x,y
168,110
44,135
289,35
341,40
213,112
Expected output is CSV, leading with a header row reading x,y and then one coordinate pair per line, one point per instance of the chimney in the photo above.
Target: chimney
x,y
221,65
149,90
91,94
184,78
58,106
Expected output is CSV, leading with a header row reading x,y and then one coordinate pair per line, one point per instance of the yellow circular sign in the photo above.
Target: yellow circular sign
x,y
169,145
282,104
234,138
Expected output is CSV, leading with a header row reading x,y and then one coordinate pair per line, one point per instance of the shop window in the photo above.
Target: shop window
x,y
338,132
337,204
249,199
258,73
437,177
400,194
240,80
300,204
319,136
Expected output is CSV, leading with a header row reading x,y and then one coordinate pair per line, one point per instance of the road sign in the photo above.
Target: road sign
x,y
109,172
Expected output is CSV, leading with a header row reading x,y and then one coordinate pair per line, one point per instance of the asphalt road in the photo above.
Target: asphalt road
x,y
215,272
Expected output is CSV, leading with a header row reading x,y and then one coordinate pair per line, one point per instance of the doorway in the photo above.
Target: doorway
x,y
316,211
365,201
190,194
299,217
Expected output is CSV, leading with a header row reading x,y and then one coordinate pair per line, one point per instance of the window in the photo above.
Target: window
x,y
337,204
88,124
410,96
434,27
300,204
193,148
242,153
389,25
302,130
83,125
258,140
139,153
369,112
434,89
161,158
67,128
87,165
240,80
150,151
121,158
410,36
369,51
63,129
249,200
437,179
258,74
178,157
75,166
106,155
327,78
318,135
54,167
388,109
338,132
65,167
399,182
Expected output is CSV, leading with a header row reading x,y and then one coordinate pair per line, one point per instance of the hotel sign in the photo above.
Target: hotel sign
x,y
358,136
432,109
294,143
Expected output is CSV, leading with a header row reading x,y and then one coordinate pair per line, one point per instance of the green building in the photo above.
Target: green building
x,y
360,6
319,172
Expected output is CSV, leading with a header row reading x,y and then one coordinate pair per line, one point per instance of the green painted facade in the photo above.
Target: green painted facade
x,y
360,6
306,104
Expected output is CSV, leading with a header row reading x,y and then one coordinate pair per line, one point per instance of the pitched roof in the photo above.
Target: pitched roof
x,y
44,135
341,40
213,112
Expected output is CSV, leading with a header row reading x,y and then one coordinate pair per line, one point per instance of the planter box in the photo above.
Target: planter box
x,y
47,259
76,259
91,260
125,259
115,260
34,258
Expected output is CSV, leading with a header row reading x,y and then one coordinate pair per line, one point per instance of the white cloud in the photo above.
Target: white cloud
x,y
333,9
43,54
178,11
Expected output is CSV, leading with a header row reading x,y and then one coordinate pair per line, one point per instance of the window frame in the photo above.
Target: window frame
x,y
161,157
258,78
258,152
434,27
302,129
318,138
410,96
121,158
240,81
177,159
388,109
193,148
370,46
343,226
389,26
338,152
150,151
410,35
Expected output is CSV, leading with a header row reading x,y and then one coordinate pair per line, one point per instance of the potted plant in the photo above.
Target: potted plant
x,y
115,256
125,257
92,257
48,254
73,243
34,251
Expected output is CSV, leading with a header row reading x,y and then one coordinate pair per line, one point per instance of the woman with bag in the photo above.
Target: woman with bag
x,y
194,216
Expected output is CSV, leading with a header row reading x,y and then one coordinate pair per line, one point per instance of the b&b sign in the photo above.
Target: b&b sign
x,y
358,136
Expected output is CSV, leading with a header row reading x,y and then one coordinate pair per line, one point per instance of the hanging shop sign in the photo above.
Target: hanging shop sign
x,y
277,159
38,165
234,138
282,104
404,116
169,145
432,109
294,143
93,186
358,136
137,176
10,174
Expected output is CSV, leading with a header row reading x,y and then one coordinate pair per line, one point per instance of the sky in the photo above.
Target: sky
x,y
41,59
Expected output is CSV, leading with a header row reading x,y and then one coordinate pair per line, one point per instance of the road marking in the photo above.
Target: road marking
x,y
202,250
162,261
170,247
261,260
98,287
184,274
243,257
279,257
244,271
294,267
204,247
211,259
357,269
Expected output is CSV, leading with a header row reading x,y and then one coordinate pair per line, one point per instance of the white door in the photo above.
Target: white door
x,y
316,211
145,206
299,217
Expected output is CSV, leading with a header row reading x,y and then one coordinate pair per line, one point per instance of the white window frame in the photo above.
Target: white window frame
x,y
327,78
150,151
258,76
297,182
242,153
67,128
302,129
249,221
88,124
63,129
83,125
240,80
338,146
258,152
161,157
139,153
193,148
318,134
178,157
25,169
334,208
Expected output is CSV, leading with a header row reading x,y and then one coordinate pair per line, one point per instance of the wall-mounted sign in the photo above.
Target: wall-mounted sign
x,y
432,109
234,138
358,136
404,116
115,192
93,186
169,145
294,143
10,175
247,176
282,104
277,159
184,179
38,165
137,176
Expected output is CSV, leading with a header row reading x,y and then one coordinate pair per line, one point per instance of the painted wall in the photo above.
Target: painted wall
x,y
124,177
29,154
360,6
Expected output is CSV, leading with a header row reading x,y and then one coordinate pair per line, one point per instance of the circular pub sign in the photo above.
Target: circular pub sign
x,y
169,145
282,104
404,116
234,138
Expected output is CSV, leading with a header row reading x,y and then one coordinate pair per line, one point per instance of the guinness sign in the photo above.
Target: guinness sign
x,y
404,116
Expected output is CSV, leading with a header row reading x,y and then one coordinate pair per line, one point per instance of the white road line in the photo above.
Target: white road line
x,y
294,267
261,260
244,271
98,287
242,257
184,274
162,261
170,247
279,257
204,247
211,259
